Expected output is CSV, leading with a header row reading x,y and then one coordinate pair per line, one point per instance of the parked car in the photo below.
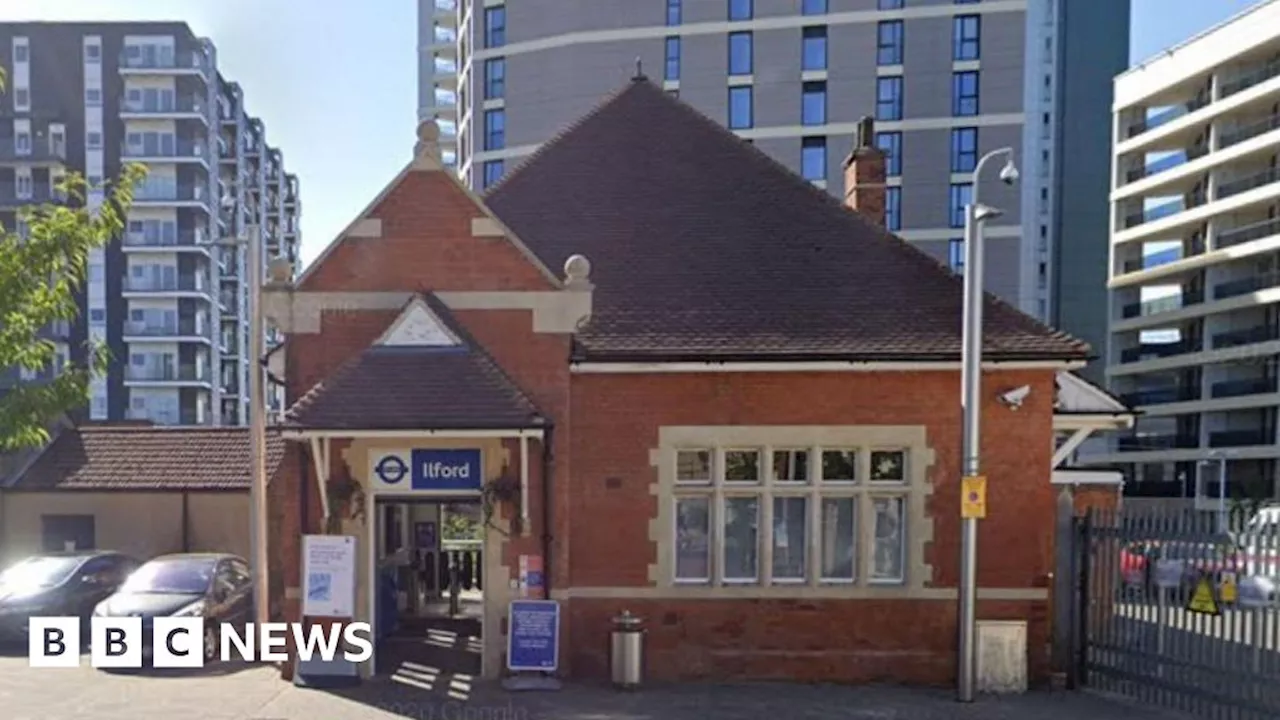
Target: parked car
x,y
213,586
58,584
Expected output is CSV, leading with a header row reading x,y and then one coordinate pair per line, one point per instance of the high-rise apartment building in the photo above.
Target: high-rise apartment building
x,y
168,297
1195,268
945,80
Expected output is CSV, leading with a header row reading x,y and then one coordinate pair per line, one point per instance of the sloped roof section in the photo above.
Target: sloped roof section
x,y
425,373
147,458
704,248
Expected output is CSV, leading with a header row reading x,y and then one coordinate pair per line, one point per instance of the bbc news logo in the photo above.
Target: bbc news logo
x,y
178,642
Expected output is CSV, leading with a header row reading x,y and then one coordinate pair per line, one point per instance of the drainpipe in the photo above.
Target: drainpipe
x,y
548,513
304,492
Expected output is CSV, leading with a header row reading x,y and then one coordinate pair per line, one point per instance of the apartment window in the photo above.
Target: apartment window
x,y
889,98
19,52
813,105
21,100
815,494
813,7
740,53
955,254
22,143
492,172
893,208
673,12
813,158
93,53
740,107
813,48
495,129
967,2
739,9
960,194
92,96
889,42
495,27
93,140
97,316
672,69
495,78
23,187
890,143
964,149
966,37
964,93
889,5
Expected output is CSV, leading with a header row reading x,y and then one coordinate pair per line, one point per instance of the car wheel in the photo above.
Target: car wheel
x,y
210,643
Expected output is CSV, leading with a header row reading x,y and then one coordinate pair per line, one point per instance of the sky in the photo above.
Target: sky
x,y
335,82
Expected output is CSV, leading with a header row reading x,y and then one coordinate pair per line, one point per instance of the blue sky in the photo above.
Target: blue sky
x,y
335,82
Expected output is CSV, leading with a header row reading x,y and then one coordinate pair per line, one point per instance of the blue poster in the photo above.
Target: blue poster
x,y
533,635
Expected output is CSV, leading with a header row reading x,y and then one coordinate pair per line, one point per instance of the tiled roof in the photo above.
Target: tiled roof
x,y
132,457
704,248
417,387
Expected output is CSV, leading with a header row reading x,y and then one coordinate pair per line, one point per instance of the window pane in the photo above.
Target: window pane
x,y
740,103
887,551
742,465
813,49
888,466
813,158
741,538
814,7
673,12
693,466
889,43
889,98
790,515
839,465
813,107
739,9
672,71
791,465
693,543
838,526
893,209
740,53
891,144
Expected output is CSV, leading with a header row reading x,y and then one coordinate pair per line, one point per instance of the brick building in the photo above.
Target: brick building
x,y
695,387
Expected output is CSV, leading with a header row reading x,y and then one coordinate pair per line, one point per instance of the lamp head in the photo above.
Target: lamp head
x,y
1009,173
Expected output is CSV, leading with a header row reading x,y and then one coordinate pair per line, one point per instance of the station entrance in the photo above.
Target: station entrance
x,y
429,594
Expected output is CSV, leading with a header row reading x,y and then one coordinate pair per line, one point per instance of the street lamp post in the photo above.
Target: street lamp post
x,y
976,215
1221,459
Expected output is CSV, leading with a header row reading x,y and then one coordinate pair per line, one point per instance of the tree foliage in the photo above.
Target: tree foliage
x,y
40,276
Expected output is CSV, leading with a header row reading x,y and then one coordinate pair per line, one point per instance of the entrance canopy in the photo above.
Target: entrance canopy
x,y
1080,409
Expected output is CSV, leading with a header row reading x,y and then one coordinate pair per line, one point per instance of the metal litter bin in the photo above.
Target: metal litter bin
x,y
626,651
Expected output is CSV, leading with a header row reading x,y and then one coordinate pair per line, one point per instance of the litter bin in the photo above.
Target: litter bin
x,y
626,651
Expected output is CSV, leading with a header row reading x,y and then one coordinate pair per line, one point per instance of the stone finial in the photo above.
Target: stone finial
x,y
428,145
280,271
577,271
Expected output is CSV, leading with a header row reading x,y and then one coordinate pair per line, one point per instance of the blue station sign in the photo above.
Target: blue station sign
x,y
427,469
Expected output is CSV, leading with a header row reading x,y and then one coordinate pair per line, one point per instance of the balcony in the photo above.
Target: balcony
x,y
164,285
1164,210
1245,336
9,198
37,152
1244,286
1154,351
161,417
1160,305
186,373
1167,115
1162,395
171,195
1164,257
1240,438
166,151
163,63
1247,233
1248,131
168,107
1165,163
1247,183
166,242
1240,388
1157,442
166,331
1248,80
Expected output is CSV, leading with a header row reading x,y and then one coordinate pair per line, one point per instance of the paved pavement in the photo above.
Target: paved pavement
x,y
238,692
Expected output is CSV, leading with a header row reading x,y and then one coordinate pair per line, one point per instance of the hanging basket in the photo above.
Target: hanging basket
x,y
346,499
503,490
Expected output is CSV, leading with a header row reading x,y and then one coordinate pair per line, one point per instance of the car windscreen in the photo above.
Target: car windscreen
x,y
178,576
40,571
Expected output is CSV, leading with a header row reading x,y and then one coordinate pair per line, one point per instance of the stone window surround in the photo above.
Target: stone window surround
x,y
919,527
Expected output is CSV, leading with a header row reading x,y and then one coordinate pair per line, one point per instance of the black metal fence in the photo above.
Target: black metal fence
x,y
1174,611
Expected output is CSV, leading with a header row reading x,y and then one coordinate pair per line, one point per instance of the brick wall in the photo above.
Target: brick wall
x,y
616,425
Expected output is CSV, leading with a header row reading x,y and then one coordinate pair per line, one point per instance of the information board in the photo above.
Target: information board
x,y
533,636
329,576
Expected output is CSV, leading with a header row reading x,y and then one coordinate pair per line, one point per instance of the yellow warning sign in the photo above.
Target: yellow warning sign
x,y
973,497
1202,598
1229,589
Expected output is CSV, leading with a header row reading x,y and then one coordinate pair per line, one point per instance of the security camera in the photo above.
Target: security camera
x,y
1014,398
1009,173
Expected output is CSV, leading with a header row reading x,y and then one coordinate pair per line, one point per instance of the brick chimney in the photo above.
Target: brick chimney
x,y
864,174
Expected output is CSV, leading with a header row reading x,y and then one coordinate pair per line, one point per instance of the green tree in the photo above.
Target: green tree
x,y
40,275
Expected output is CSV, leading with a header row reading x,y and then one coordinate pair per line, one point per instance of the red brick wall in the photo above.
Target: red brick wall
x,y
616,425
1100,497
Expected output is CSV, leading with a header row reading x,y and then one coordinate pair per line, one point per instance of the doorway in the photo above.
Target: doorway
x,y
428,592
